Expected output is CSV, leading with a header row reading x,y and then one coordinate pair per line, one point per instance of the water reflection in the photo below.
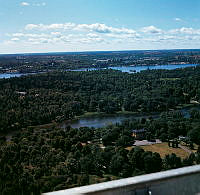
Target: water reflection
x,y
129,69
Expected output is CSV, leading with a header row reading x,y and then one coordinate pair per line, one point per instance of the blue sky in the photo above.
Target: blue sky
x,y
85,25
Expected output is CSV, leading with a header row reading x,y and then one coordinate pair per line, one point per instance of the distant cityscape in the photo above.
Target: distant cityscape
x,y
34,63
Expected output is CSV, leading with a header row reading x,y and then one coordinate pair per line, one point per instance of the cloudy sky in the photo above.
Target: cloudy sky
x,y
85,25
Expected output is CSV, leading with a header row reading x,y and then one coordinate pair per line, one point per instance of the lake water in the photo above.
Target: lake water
x,y
98,122
129,69
10,75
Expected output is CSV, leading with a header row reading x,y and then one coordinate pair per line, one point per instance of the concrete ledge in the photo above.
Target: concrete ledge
x,y
177,181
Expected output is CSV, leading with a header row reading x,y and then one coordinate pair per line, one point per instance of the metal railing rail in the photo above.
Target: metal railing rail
x,y
183,181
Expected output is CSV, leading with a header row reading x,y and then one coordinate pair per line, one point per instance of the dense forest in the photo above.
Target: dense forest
x,y
52,159
40,159
57,96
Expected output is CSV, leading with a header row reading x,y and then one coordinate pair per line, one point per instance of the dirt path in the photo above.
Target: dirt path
x,y
184,148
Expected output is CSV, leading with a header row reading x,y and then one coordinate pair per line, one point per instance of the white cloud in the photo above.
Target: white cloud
x,y
97,35
33,4
102,28
90,40
184,30
17,34
39,40
43,27
24,35
31,26
56,34
92,35
97,27
39,4
128,37
151,29
166,37
15,39
25,4
178,19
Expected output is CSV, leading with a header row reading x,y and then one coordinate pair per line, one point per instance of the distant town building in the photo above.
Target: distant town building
x,y
139,133
182,138
21,92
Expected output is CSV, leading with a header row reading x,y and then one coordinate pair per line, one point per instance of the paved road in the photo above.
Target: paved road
x,y
145,142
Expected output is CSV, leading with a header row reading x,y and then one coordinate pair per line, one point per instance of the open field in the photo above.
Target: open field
x,y
163,149
103,114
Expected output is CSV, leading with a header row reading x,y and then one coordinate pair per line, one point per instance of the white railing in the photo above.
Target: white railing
x,y
182,181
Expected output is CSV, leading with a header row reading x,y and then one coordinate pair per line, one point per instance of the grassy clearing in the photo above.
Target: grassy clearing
x,y
127,112
44,126
129,148
102,114
163,149
94,114
119,113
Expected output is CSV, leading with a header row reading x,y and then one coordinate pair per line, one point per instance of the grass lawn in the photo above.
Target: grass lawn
x,y
102,114
163,149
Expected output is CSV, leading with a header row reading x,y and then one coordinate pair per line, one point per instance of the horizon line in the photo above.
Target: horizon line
x,y
93,51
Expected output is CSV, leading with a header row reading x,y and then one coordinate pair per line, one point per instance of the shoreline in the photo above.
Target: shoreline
x,y
18,73
100,114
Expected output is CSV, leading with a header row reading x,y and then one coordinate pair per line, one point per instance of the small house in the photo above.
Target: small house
x,y
139,133
182,138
